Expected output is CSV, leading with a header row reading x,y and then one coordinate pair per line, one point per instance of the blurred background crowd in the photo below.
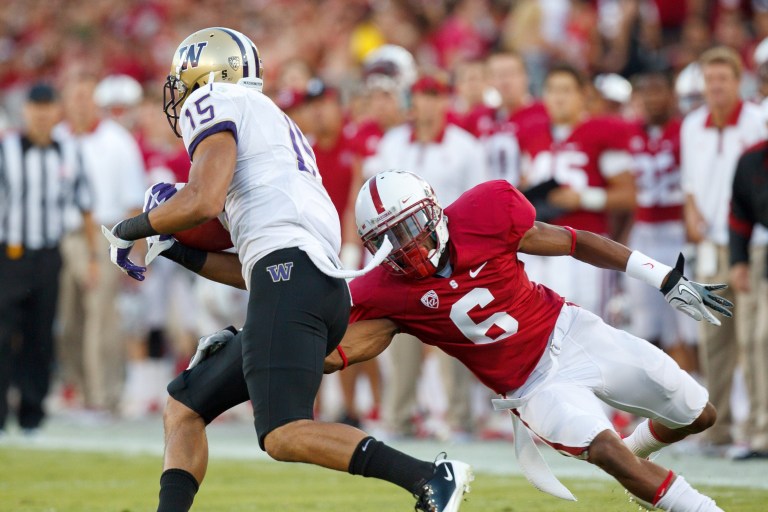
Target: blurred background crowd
x,y
624,117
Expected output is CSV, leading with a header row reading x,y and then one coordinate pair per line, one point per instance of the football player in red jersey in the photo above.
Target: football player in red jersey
x,y
585,164
659,230
498,127
454,280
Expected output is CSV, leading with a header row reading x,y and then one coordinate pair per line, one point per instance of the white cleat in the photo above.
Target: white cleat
x,y
445,490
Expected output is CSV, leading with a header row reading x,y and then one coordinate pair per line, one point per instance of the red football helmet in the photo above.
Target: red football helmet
x,y
402,207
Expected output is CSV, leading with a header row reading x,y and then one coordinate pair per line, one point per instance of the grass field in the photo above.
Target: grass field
x,y
33,480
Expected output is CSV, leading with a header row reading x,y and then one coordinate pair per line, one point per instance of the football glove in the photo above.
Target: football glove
x,y
119,250
156,195
695,299
209,345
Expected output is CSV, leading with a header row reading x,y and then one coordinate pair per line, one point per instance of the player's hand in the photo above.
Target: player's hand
x,y
739,277
119,250
695,299
210,344
156,195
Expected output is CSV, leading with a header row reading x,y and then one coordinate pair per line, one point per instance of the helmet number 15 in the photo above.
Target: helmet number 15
x,y
495,328
206,111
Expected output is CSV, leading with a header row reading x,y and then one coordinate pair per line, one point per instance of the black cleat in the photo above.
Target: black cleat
x,y
444,491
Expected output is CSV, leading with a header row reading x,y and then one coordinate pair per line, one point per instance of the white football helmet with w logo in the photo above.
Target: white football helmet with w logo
x,y
214,54
403,207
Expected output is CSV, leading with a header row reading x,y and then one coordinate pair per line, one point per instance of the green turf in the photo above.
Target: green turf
x,y
44,481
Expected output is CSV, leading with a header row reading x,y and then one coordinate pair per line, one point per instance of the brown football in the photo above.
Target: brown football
x,y
210,236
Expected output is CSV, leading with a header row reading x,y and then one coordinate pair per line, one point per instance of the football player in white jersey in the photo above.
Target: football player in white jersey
x,y
252,162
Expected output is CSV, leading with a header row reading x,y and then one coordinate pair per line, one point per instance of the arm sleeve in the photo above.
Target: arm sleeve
x,y
522,215
207,111
741,219
509,214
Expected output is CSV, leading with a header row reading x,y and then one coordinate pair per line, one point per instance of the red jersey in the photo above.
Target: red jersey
x,y
486,313
367,135
498,131
484,121
595,150
336,165
656,151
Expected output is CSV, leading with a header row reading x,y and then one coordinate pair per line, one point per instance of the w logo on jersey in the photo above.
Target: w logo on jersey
x,y
280,272
189,56
430,299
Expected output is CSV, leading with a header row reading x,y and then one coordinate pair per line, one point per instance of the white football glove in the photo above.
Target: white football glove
x,y
695,299
156,195
209,345
119,250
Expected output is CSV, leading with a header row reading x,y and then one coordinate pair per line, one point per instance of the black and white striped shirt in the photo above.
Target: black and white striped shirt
x,y
37,185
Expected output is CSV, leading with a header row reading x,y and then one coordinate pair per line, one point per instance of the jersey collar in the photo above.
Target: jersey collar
x,y
733,118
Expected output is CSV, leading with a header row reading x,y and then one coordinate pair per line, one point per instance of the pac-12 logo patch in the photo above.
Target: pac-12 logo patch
x,y
234,62
280,272
430,299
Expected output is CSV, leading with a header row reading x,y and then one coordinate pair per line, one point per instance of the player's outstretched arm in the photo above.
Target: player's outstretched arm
x,y
363,340
547,240
693,299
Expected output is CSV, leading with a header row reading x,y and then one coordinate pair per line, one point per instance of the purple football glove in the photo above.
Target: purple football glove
x,y
118,253
156,195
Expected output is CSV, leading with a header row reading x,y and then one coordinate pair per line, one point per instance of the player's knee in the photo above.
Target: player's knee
x,y
608,452
176,413
282,443
706,419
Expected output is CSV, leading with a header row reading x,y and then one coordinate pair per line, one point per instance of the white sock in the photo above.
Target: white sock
x,y
642,442
681,497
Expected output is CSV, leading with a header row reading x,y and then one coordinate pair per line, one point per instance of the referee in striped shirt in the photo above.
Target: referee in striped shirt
x,y
39,179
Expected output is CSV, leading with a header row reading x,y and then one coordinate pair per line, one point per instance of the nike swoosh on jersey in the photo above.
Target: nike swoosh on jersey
x,y
473,273
448,476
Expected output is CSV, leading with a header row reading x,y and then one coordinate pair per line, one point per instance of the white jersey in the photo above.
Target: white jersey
x,y
452,164
708,163
276,199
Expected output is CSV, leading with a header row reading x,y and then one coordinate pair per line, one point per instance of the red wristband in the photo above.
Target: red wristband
x,y
344,361
573,239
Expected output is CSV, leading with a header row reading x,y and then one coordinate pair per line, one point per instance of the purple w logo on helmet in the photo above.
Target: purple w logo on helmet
x,y
189,56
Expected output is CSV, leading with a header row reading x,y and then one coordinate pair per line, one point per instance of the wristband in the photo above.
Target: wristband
x,y
135,228
573,240
344,360
187,257
593,199
647,269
